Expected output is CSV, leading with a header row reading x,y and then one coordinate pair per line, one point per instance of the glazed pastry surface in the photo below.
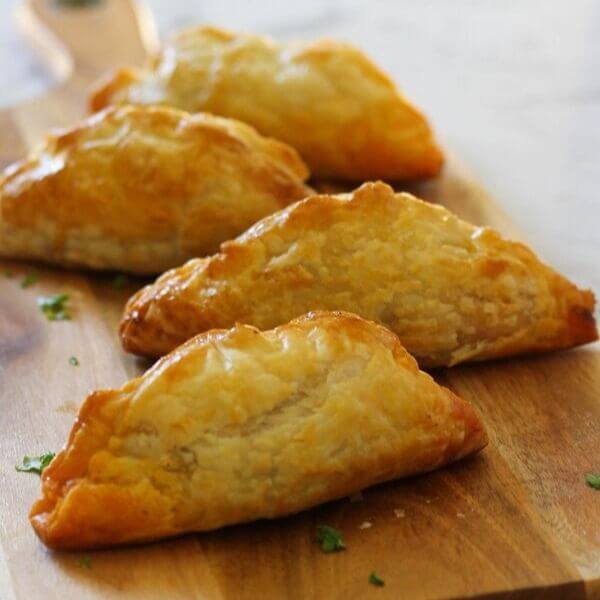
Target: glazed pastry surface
x,y
143,189
326,99
241,424
451,291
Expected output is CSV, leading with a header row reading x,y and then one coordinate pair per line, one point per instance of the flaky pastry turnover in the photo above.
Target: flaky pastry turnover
x,y
142,189
451,291
326,98
240,424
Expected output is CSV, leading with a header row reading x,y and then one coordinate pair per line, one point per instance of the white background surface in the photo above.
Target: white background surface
x,y
511,86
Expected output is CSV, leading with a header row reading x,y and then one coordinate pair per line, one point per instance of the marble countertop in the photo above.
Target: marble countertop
x,y
512,88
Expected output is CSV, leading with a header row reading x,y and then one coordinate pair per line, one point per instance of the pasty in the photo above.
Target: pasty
x,y
142,189
451,291
240,424
325,98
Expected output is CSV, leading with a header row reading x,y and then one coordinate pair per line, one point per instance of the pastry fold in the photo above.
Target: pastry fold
x,y
240,424
451,291
325,98
143,189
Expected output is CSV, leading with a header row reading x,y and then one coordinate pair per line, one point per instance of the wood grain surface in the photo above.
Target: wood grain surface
x,y
517,521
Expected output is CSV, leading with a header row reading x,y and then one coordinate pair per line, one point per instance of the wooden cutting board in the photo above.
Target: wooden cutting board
x,y
518,521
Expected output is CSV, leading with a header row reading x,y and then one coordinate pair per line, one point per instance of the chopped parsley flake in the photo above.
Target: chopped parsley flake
x,y
374,579
54,307
329,539
76,3
35,464
593,480
85,562
73,361
8,273
120,281
30,279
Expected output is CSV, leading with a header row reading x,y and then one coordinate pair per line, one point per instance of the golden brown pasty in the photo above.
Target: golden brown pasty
x,y
241,424
451,291
142,189
344,116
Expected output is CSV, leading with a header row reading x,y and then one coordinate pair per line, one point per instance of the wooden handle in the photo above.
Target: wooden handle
x,y
86,39
78,43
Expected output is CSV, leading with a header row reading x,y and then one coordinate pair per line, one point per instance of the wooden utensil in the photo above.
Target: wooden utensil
x,y
78,44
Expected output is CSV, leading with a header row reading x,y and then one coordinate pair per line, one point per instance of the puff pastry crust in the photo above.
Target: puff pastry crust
x,y
239,424
142,189
451,291
326,98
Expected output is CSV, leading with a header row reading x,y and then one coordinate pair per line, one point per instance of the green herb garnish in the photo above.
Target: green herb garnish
x,y
76,3
593,480
29,279
329,539
120,281
85,562
8,273
54,307
35,464
73,361
374,579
